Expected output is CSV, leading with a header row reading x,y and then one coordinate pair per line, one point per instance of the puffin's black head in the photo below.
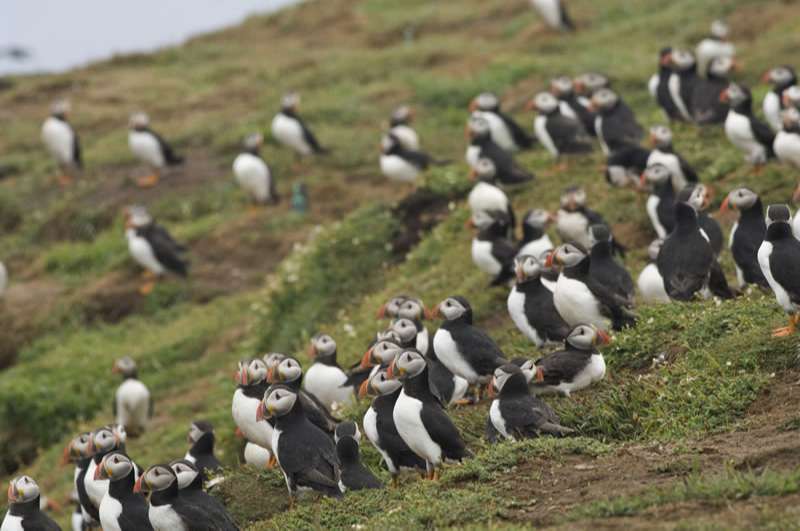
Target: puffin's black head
x,y
198,429
405,329
379,383
591,82
567,255
322,348
452,308
22,489
381,353
290,102
573,198
599,233
105,440
779,213
508,379
272,359
278,401
660,137
391,307
664,59
739,199
139,121
80,447
780,77
407,364
527,366
654,248
126,367
587,337
347,449
288,370
527,267
485,101
561,87
484,171
253,142
114,467
538,218
604,100
478,127
656,174
544,103
156,478
738,97
185,471
347,428
402,115
682,60
251,372
413,308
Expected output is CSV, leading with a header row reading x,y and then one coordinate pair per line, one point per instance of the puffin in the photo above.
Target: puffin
x,y
779,258
289,373
563,88
658,85
152,247
682,81
559,133
664,153
252,173
650,282
535,241
686,258
355,476
150,148
580,298
291,131
420,418
251,383
715,46
169,511
492,251
781,78
786,144
80,451
554,14
201,452
104,441
706,104
466,350
574,219
190,488
482,146
505,132
391,307
400,164
660,204
121,509
530,305
574,368
699,197
306,454
625,165
61,141
379,424
749,134
746,235
133,405
325,379
24,511
604,269
400,126
486,195
515,413
615,124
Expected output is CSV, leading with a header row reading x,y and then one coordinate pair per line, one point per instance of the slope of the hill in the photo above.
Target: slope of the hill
x,y
706,439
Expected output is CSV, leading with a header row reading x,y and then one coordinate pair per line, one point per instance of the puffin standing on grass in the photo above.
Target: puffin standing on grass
x,y
781,78
706,104
201,453
133,405
325,379
504,130
582,299
604,269
659,85
746,235
400,127
419,417
466,350
251,383
482,146
104,441
121,509
150,148
563,88
379,424
291,131
62,142
515,413
289,373
779,258
615,124
80,451
355,476
492,251
749,134
153,248
24,510
530,305
682,81
306,454
560,134
650,282
252,173
401,164
190,488
574,368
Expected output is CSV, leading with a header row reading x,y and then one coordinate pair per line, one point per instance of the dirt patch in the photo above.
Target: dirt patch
x,y
22,311
418,213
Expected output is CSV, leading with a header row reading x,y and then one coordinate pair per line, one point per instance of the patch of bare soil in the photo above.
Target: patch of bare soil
x,y
22,310
759,443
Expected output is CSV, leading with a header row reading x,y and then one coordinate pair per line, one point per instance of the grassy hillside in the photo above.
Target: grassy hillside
x,y
707,439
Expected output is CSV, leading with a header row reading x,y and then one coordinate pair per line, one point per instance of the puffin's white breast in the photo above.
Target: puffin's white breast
x,y
485,197
133,404
325,381
497,419
396,168
540,128
256,455
243,410
253,175
516,309
164,518
407,136
764,254
573,227
651,285
141,251
146,148
787,148
289,132
447,351
483,258
407,416
59,139
110,509
577,304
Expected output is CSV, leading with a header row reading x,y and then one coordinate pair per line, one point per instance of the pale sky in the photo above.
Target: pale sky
x,y
62,34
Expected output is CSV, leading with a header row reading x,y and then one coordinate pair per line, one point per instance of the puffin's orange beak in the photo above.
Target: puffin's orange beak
x,y
66,454
390,371
366,359
239,434
724,206
436,313
548,262
428,313
642,179
539,375
98,472
531,105
363,389
765,77
473,175
469,224
603,338
137,487
473,105
382,312
724,97
261,412
312,351
490,388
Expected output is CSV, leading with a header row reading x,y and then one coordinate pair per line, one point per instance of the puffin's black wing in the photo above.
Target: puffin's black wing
x,y
528,416
782,264
561,366
309,137
165,249
685,271
317,413
83,497
763,133
687,170
567,134
504,251
507,170
491,433
39,521
218,516
390,439
521,138
419,159
478,349
134,513
713,230
624,126
612,304
76,150
442,431
632,157
717,282
746,243
198,516
565,18
540,310
312,462
171,158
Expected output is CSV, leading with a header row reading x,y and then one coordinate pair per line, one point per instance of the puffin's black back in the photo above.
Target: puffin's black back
x,y
32,516
685,259
355,475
